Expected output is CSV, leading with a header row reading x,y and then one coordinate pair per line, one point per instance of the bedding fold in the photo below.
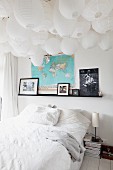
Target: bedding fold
x,y
32,146
22,147
74,148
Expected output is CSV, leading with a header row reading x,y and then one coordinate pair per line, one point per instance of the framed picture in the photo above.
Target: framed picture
x,y
28,86
63,88
89,82
75,92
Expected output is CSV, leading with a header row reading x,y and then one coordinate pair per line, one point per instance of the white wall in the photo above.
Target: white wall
x,y
83,59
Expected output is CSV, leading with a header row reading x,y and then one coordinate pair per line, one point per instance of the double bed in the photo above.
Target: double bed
x,y
43,138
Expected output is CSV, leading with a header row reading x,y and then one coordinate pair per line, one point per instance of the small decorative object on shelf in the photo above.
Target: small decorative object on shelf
x,y
75,92
107,152
63,89
100,93
93,149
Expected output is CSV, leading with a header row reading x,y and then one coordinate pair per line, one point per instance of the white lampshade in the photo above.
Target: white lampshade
x,y
97,9
95,119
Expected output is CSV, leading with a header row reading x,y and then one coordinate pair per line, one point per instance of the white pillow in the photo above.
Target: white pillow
x,y
73,122
28,109
41,115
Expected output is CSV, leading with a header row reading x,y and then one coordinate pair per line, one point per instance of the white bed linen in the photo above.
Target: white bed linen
x,y
76,165
23,148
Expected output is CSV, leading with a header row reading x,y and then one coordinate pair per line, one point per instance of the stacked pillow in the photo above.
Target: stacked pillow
x,y
40,114
74,122
69,120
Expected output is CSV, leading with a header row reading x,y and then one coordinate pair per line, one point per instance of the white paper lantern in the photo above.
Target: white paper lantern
x,y
3,34
5,8
5,47
39,37
81,28
90,40
15,30
71,9
106,42
69,46
97,9
29,13
103,25
47,22
44,26
20,47
63,26
18,54
52,46
38,56
15,53
53,31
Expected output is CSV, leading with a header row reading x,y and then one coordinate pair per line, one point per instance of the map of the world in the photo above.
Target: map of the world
x,y
58,69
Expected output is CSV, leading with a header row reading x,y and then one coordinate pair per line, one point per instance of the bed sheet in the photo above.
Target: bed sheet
x,y
76,165
23,148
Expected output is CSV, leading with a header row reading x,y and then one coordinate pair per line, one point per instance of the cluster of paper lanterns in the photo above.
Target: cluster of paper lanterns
x,y
34,28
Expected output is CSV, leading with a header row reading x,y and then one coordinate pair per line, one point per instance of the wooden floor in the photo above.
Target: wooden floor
x,y
91,163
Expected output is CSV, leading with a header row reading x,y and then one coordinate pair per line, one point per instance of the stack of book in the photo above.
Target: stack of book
x,y
93,149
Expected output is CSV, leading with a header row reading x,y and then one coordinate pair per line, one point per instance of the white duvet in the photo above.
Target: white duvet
x,y
23,148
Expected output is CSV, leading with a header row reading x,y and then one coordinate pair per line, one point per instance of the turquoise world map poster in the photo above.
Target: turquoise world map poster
x,y
59,69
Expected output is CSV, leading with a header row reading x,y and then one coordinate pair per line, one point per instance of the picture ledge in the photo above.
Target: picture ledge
x,y
57,95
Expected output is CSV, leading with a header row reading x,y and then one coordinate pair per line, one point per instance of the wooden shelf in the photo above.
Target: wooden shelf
x,y
55,95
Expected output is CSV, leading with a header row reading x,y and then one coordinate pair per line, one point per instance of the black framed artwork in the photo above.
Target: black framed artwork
x,y
28,86
89,82
63,88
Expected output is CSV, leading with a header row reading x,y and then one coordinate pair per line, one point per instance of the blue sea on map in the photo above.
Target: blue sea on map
x,y
59,69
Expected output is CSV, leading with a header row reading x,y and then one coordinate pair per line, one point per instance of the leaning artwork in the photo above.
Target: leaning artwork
x,y
89,82
54,70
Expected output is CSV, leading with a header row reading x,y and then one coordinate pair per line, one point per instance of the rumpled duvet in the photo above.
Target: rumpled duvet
x,y
31,146
73,147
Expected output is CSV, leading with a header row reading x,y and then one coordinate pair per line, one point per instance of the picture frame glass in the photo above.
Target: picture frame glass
x,y
63,89
89,82
28,86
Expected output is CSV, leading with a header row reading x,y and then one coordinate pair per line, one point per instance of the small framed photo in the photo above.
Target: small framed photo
x,y
63,88
75,92
28,86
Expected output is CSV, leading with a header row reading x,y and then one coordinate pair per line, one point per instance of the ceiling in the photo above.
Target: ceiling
x,y
37,27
